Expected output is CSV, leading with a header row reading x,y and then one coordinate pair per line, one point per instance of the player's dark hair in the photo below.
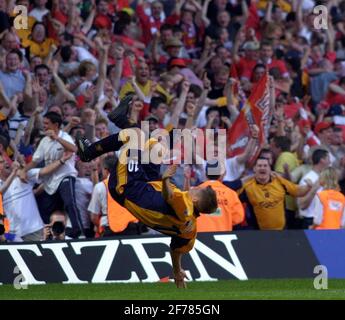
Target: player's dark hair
x,y
208,202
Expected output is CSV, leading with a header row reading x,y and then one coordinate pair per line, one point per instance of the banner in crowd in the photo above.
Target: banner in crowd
x,y
238,255
256,110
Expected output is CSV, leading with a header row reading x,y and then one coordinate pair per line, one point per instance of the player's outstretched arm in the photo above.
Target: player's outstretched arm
x,y
178,272
167,192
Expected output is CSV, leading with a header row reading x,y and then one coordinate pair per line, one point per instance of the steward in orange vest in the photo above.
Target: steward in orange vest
x,y
3,220
119,218
329,204
333,205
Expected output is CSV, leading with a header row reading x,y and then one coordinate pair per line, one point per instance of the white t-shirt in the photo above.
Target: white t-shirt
x,y
234,169
83,188
38,14
318,212
83,54
83,87
313,176
20,205
99,202
201,120
49,151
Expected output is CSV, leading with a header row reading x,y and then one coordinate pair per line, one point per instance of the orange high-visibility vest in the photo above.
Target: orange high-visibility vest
x,y
2,212
118,216
230,210
333,203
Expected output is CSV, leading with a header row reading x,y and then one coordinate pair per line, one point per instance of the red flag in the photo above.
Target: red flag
x,y
255,111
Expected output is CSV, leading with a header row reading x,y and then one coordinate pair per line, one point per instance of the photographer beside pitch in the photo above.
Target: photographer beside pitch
x,y
55,230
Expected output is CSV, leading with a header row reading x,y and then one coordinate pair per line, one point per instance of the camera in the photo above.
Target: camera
x,y
57,228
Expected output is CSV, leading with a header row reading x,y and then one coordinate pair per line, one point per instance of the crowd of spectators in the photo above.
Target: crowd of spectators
x,y
64,74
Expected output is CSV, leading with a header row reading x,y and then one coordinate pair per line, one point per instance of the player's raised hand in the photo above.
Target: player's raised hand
x,y
169,172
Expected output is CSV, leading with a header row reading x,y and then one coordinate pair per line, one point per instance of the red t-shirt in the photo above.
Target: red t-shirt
x,y
145,111
245,67
331,56
58,15
290,110
253,20
102,21
149,24
278,64
126,66
335,98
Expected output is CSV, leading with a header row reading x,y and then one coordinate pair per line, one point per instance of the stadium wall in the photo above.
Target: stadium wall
x,y
237,255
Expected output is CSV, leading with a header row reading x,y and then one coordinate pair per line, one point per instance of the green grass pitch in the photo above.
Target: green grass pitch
x,y
225,289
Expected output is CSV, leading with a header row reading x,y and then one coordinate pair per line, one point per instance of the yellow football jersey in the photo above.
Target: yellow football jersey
x,y
268,201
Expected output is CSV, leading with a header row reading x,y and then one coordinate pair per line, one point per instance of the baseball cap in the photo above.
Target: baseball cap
x,y
102,22
251,45
173,42
322,126
304,123
177,62
151,117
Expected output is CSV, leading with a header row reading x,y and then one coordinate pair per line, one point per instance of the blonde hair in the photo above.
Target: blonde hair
x,y
329,179
85,67
166,77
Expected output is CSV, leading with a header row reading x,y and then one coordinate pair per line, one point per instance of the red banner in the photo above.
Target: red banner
x,y
256,110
